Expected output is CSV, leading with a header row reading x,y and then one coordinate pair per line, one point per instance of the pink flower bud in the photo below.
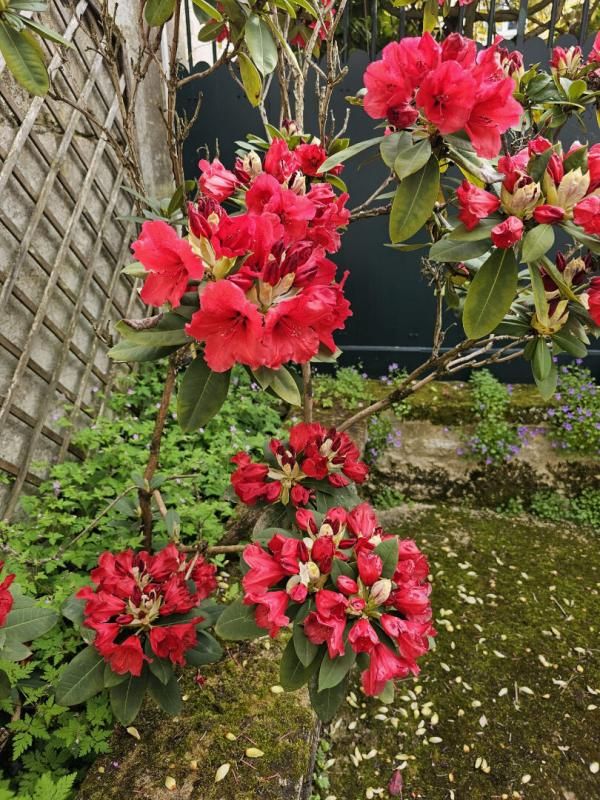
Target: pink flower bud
x,y
369,567
346,585
380,591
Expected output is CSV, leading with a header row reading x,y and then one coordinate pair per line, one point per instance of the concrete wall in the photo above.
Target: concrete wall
x,y
62,245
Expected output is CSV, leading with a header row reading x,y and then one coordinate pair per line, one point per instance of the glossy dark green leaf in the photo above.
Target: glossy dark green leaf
x,y
388,552
166,696
392,145
201,394
112,678
348,152
327,702
292,672
334,670
26,624
411,159
81,679
126,698
570,344
414,201
206,650
455,251
169,332
490,294
237,622
547,387
305,649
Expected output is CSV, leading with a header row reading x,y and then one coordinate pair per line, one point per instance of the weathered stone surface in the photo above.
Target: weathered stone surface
x,y
235,699
427,465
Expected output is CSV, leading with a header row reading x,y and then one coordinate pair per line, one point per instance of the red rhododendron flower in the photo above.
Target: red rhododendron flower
x,y
475,204
134,596
230,326
359,604
313,452
6,598
217,182
170,262
280,161
548,214
593,295
309,158
384,666
587,214
594,166
454,88
508,232
446,96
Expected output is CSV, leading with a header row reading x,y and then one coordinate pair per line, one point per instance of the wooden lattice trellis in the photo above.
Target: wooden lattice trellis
x,y
61,248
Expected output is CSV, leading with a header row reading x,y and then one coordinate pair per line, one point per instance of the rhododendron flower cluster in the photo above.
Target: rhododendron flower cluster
x,y
361,591
447,87
6,598
313,453
142,606
267,291
568,189
569,62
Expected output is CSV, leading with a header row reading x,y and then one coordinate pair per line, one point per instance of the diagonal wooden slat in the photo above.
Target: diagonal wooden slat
x,y
74,320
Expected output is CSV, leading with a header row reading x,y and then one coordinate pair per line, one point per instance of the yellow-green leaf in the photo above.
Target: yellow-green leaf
x,y
24,59
250,78
157,12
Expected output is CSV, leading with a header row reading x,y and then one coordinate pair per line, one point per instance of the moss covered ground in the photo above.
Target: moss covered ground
x,y
234,710
508,705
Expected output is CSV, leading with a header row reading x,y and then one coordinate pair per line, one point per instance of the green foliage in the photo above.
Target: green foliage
x,y
346,387
583,508
575,418
49,743
495,439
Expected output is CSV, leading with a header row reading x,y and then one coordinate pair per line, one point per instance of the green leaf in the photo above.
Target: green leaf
x,y
250,78
126,698
387,695
558,278
112,678
340,567
261,46
334,670
453,251
587,239
537,242
388,552
14,651
210,31
305,649
541,363
547,387
81,679
464,156
577,159
536,166
237,622
490,294
157,12
44,32
24,59
128,351
26,624
5,687
208,9
167,696
292,673
348,152
412,159
539,292
201,394
392,145
73,610
281,382
414,201
570,344
327,702
206,650
481,231
161,668
169,332
576,89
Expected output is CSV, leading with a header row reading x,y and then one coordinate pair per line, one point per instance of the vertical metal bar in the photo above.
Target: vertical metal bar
x,y
585,21
188,34
521,22
491,22
461,19
402,31
553,21
373,43
346,33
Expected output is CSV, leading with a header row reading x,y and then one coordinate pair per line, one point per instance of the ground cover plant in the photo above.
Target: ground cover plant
x,y
243,296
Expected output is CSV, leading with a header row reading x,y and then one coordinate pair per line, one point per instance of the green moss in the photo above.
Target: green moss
x,y
514,679
236,698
